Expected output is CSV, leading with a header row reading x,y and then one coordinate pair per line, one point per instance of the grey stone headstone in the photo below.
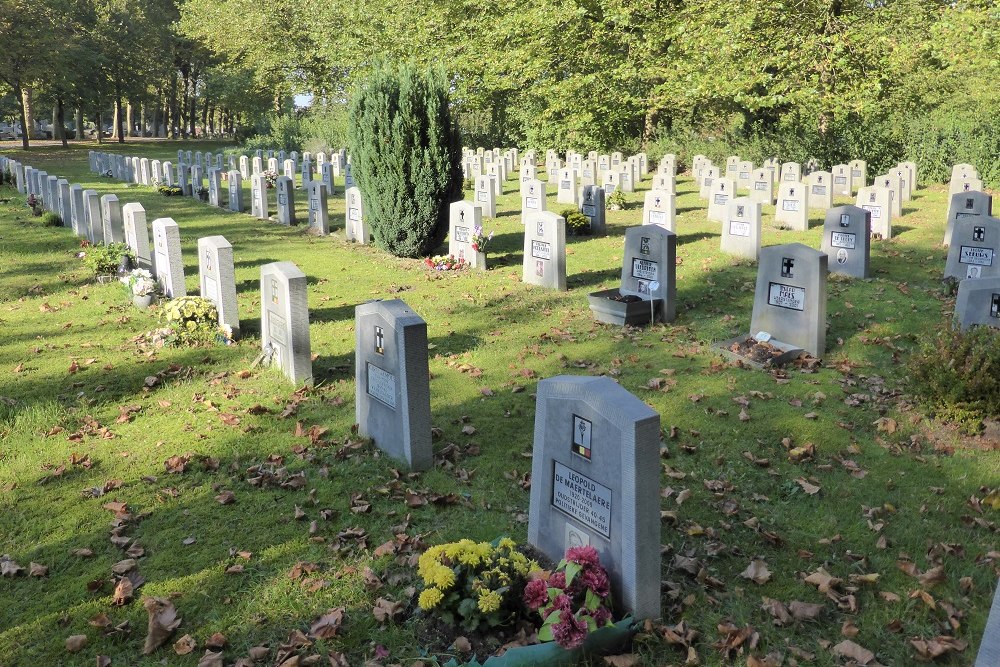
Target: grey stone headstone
x,y
820,190
567,190
761,189
184,180
486,195
533,200
894,185
284,322
392,387
319,216
76,213
156,173
660,209
965,185
588,173
169,178
144,175
723,189
967,205
905,184
791,172
859,173
19,178
52,193
592,205
217,278
876,201
847,240
285,189
167,260
348,176
706,177
259,204
355,227
463,218
613,180
649,267
111,219
790,297
197,181
235,191
64,203
973,249
978,303
326,177
137,234
214,186
741,228
544,250
627,179
595,482
245,167
792,208
92,223
307,171
841,175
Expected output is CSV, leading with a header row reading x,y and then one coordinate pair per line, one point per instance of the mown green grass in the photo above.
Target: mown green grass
x,y
512,335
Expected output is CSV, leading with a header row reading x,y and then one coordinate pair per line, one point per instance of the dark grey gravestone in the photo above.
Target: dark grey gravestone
x,y
790,297
649,267
217,277
965,205
592,206
167,259
392,387
847,240
978,302
544,261
319,215
595,482
284,320
137,234
973,249
235,191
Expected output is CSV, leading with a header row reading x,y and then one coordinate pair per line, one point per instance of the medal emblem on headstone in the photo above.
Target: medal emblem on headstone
x,y
582,436
541,228
969,203
208,260
644,245
274,291
787,263
978,233
379,341
845,220
995,306
871,197
739,211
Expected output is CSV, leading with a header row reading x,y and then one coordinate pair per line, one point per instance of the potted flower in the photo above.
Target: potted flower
x,y
203,194
271,178
141,287
446,263
35,203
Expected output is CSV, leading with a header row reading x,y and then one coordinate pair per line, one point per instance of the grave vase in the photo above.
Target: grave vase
x,y
603,641
142,302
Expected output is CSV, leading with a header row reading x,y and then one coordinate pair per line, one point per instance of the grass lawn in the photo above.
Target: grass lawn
x,y
79,429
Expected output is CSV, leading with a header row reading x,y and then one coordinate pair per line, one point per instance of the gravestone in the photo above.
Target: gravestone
x,y
355,228
92,222
259,205
326,178
595,482
894,185
859,173
588,173
841,175
307,171
791,172
732,167
613,181
627,179
19,180
319,217
665,184
820,190
723,189
51,196
144,175
217,279
963,170
744,175
965,185
592,206
258,166
348,176
272,164
463,219
392,381
544,250
792,208
708,175
137,234
762,187
847,234
167,259
64,203
157,173
659,208
967,205
169,177
905,184
741,228
214,186
184,180
532,198
76,213
245,167
790,297
978,302
285,189
486,196
111,219
235,191
649,268
284,320
566,194
875,200
288,169
973,249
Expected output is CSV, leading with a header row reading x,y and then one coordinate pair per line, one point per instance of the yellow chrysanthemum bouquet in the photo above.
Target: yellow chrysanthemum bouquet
x,y
471,584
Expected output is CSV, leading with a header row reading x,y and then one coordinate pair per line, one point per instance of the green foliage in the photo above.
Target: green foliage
x,y
958,375
279,132
324,129
51,219
169,190
192,320
576,222
406,156
616,201
103,259
942,139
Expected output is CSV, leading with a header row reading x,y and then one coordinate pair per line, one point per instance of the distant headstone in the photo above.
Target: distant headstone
x,y
790,297
847,240
973,250
217,278
841,175
76,213
144,175
169,177
355,227
167,257
156,173
544,250
732,167
392,387
965,185
307,172
592,206
137,234
820,190
259,205
319,216
326,178
486,195
284,321
761,186
464,217
595,482
659,208
588,173
64,203
967,205
791,172
215,186
235,191
245,167
741,228
894,185
905,184
723,189
566,194
184,179
792,209
744,175
532,198
111,219
707,178
92,222
978,302
285,189
258,165
876,200
613,181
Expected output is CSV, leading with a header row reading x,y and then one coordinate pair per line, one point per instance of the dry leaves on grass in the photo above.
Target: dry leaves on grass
x,y
326,626
930,649
76,643
757,572
163,622
386,610
853,651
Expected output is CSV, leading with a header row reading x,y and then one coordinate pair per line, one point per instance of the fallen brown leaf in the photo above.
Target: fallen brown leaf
x,y
185,645
76,643
162,622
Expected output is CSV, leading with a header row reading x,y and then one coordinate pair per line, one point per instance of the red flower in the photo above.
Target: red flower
x,y
596,579
557,580
583,555
601,616
536,594
570,631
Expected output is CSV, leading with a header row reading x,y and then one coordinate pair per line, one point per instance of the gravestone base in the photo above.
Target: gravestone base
x,y
632,313
782,354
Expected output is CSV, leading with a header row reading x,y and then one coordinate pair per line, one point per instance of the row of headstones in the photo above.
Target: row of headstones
x,y
190,179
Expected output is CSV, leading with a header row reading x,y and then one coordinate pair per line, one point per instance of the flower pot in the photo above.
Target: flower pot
x,y
604,641
608,309
142,302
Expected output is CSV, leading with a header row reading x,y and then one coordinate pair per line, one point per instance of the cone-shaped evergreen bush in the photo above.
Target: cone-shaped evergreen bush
x,y
405,157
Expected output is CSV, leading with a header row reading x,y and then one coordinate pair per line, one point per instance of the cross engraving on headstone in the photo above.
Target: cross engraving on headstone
x,y
379,341
786,267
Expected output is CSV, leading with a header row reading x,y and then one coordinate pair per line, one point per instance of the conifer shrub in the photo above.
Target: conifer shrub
x,y
405,156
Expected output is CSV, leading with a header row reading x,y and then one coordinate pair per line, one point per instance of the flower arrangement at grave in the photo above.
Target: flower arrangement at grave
x,y
479,240
169,190
108,174
190,321
105,258
35,204
271,178
446,263
615,201
138,282
576,222
203,194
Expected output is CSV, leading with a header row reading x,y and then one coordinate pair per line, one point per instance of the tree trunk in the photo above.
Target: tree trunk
x,y
204,117
61,121
79,124
100,128
130,119
119,130
21,104
143,112
173,106
29,114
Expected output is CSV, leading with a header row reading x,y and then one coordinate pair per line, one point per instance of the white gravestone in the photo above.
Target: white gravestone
x,y
111,219
92,222
167,257
355,227
566,194
259,204
876,200
659,208
532,198
319,216
544,250
820,190
76,213
841,175
464,217
706,179
859,173
217,278
592,206
792,208
791,171
723,189
741,228
214,186
137,234
761,186
284,321
486,196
